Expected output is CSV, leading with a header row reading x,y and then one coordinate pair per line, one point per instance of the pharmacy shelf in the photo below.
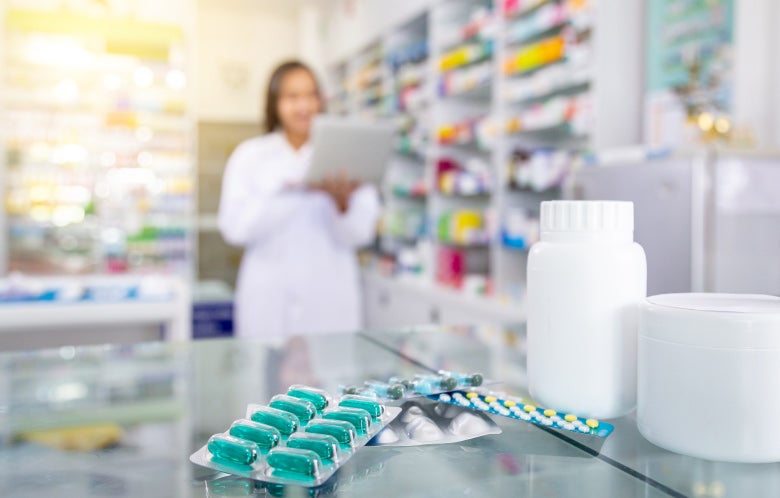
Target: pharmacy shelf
x,y
467,246
516,9
398,193
522,249
478,91
99,140
169,308
482,309
505,79
478,196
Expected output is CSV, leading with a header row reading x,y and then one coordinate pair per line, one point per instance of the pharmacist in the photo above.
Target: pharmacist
x,y
299,273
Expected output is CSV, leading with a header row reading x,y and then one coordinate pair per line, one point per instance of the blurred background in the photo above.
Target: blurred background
x,y
118,117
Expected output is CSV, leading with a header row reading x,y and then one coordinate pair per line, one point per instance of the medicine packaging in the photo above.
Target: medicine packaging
x,y
515,408
398,387
301,437
423,421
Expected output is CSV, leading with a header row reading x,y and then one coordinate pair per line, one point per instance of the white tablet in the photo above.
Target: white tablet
x,y
360,148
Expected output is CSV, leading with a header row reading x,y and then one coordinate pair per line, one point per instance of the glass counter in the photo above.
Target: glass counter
x,y
123,421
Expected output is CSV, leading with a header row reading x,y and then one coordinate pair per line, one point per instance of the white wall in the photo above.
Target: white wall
x,y
352,24
619,73
756,98
311,42
775,110
238,44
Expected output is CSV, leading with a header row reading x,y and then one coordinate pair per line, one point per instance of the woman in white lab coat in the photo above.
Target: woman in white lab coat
x,y
299,273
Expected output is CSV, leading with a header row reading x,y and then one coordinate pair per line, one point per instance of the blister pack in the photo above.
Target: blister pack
x,y
424,422
513,407
301,437
419,385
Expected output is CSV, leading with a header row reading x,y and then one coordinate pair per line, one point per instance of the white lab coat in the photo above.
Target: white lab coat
x,y
299,273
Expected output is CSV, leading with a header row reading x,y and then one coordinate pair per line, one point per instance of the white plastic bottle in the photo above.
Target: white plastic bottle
x,y
586,279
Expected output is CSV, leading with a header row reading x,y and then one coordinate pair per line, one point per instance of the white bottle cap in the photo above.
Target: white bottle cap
x,y
587,216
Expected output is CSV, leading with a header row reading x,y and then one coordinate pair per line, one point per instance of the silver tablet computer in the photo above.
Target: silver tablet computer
x,y
360,148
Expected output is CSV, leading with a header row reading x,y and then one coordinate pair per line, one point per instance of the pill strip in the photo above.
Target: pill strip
x,y
514,408
416,386
301,456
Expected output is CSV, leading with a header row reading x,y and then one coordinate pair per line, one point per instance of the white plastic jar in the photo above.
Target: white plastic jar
x,y
709,375
586,280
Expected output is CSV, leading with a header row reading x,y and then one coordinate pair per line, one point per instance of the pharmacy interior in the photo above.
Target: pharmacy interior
x,y
572,289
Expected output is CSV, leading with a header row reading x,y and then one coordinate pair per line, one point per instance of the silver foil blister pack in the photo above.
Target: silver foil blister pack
x,y
423,422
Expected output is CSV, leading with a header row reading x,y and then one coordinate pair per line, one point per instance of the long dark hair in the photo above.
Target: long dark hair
x,y
272,121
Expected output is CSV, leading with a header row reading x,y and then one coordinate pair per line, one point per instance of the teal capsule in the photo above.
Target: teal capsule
x,y
448,383
344,432
358,417
372,407
429,384
366,392
315,396
465,379
407,383
295,460
233,449
264,435
322,444
477,379
285,422
301,408
385,390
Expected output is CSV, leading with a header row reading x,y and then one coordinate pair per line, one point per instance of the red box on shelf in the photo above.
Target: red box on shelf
x,y
450,266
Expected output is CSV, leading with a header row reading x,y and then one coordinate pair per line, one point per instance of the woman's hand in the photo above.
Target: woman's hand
x,y
339,187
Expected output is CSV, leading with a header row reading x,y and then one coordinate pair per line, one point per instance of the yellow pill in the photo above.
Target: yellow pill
x,y
570,418
529,408
550,413
471,395
509,403
592,423
490,399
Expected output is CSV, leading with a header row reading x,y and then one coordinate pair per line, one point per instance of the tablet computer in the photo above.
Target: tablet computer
x,y
359,148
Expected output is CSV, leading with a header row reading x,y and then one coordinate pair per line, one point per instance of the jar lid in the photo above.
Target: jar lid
x,y
587,216
733,321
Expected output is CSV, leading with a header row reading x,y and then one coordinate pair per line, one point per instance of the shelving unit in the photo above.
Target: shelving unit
x,y
366,83
463,46
98,138
406,189
338,95
543,111
95,309
512,90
